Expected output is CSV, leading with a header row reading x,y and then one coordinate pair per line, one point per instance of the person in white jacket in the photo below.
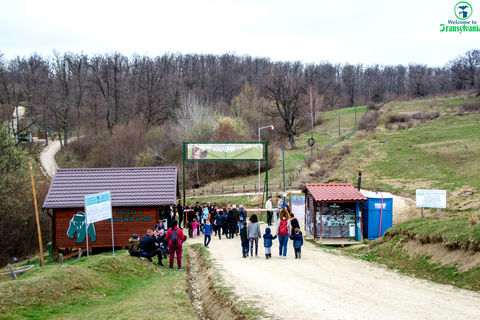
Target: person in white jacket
x,y
269,207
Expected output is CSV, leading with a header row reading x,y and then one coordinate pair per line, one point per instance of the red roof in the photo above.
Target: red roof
x,y
129,186
334,192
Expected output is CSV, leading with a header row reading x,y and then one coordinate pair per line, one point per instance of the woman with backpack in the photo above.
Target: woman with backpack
x,y
175,238
283,231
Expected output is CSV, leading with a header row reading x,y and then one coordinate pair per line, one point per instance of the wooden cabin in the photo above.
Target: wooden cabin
x,y
139,197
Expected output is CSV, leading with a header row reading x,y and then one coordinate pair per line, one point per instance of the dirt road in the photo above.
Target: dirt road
x,y
47,156
323,285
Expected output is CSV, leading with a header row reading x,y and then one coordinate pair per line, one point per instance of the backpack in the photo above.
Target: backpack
x,y
283,230
174,237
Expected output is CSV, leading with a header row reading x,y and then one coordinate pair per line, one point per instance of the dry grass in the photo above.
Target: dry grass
x,y
473,220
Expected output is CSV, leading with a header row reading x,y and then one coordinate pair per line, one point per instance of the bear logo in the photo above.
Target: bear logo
x,y
78,224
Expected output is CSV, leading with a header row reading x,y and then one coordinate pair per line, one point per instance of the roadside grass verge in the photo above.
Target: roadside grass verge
x,y
453,231
97,287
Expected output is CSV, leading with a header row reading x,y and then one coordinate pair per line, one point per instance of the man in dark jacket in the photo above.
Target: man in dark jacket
x,y
220,222
231,224
244,238
237,218
150,246
180,213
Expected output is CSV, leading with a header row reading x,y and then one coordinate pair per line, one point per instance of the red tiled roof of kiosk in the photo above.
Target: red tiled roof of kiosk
x,y
128,186
334,192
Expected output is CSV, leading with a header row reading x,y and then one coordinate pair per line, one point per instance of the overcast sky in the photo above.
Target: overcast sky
x,y
383,32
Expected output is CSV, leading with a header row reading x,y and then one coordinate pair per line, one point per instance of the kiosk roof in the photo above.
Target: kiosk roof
x,y
334,192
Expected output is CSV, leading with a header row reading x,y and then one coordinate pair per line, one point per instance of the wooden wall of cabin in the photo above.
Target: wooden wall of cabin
x,y
126,221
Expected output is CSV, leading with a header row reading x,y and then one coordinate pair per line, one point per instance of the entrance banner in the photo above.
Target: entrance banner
x,y
224,151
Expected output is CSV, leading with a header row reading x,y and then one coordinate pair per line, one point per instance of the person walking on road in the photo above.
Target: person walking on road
x,y
283,232
207,233
269,207
253,233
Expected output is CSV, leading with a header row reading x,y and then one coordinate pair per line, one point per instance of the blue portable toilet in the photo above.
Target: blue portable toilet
x,y
376,212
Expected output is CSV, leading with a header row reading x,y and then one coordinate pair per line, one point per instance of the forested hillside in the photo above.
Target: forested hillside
x,y
136,111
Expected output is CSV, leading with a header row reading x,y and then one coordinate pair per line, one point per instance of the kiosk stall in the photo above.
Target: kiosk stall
x,y
332,211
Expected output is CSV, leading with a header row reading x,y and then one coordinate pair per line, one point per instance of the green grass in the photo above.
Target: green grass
x,y
97,287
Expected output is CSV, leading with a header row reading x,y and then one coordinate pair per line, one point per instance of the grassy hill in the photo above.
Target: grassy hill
x,y
98,287
420,144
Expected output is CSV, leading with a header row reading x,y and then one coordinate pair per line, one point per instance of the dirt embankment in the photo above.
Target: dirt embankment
x,y
204,296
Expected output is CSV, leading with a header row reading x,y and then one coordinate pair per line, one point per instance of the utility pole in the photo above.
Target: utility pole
x,y
38,220
283,160
338,125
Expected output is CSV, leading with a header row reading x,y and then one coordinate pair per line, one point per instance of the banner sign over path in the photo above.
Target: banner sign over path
x,y
224,151
98,207
431,198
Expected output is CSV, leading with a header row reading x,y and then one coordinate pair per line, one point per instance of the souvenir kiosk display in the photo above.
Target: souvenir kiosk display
x,y
332,211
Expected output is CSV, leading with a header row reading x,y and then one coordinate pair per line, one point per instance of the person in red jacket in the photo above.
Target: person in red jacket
x,y
175,239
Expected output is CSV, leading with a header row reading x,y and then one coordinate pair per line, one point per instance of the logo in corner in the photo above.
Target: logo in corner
x,y
463,10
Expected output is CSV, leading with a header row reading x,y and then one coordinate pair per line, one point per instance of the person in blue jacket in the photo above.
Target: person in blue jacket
x,y
207,232
297,243
267,242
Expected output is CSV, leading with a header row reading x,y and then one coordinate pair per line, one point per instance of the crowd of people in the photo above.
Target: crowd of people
x,y
228,221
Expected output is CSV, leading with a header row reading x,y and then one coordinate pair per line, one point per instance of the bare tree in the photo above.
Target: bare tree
x,y
350,76
286,87
108,75
418,79
152,99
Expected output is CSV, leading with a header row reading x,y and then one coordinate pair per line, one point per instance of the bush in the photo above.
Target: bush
x,y
369,121
67,159
374,107
473,106
398,118
309,161
82,147
345,150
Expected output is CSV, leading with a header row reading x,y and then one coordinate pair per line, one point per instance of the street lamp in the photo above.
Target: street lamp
x,y
259,161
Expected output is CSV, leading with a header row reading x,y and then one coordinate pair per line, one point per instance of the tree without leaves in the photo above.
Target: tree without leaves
x,y
350,76
285,87
152,98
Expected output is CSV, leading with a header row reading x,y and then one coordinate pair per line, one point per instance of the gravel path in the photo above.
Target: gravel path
x,y
47,156
323,285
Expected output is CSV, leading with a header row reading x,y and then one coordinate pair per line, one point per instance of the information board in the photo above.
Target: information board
x,y
431,198
98,207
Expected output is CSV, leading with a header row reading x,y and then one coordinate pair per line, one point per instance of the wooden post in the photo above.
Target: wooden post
x,y
439,211
38,220
314,218
9,266
422,212
321,224
80,254
60,258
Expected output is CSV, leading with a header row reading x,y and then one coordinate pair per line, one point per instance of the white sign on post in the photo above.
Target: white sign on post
x,y
98,207
431,198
